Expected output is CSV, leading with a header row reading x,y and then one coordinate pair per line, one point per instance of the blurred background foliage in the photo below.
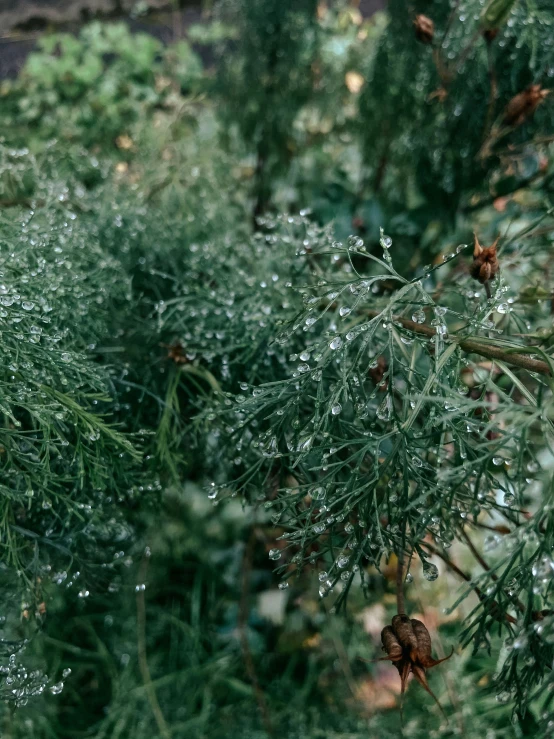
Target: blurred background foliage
x,y
132,178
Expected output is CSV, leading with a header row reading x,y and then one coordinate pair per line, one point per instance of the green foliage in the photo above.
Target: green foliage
x,y
450,147
187,401
94,87
268,77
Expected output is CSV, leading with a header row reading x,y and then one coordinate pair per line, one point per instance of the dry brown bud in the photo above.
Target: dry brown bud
x,y
424,29
490,34
439,94
408,645
391,645
176,353
485,262
402,627
523,105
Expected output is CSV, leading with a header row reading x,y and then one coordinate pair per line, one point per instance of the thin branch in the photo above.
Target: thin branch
x,y
476,346
494,612
479,557
476,554
400,602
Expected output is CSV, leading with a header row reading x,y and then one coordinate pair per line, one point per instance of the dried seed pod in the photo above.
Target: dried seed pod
x,y
391,645
523,105
402,627
424,29
423,637
408,646
485,262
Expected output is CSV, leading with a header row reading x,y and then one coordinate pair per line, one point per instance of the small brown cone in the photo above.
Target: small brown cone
x,y
485,264
424,29
523,105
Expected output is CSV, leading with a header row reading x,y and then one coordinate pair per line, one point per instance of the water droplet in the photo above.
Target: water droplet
x,y
384,411
336,409
336,343
275,554
419,316
342,561
491,542
318,493
430,571
344,311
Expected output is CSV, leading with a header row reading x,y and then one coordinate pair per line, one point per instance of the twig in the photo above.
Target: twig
x,y
493,89
400,602
245,646
142,658
478,556
494,612
475,346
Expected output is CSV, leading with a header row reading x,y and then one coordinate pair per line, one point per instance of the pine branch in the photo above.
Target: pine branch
x,y
477,346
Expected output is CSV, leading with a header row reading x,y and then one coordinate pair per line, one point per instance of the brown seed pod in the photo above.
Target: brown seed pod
x,y
485,262
523,105
408,645
404,631
424,645
424,29
391,645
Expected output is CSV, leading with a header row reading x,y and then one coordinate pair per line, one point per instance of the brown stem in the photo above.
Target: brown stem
x,y
142,657
493,91
400,602
478,556
478,592
488,289
475,346
242,624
